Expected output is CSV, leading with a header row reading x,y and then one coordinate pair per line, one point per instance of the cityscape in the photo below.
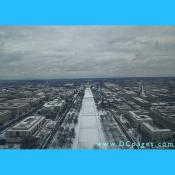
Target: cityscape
x,y
87,113
91,87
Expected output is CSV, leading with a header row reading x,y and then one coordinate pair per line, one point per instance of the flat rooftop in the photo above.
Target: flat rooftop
x,y
11,105
130,92
54,103
140,117
155,128
4,111
140,99
27,123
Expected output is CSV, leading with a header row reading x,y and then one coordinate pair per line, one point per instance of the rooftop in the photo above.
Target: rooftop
x,y
54,103
27,123
155,128
11,105
139,117
140,99
4,112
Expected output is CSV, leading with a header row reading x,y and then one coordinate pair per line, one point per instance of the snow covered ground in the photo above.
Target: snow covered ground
x,y
89,131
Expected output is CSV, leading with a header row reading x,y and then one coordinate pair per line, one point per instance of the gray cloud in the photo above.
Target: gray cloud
x,y
89,51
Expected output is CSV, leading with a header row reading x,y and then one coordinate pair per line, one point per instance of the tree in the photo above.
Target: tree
x,y
2,141
61,129
75,120
72,133
61,141
30,143
69,120
69,143
57,109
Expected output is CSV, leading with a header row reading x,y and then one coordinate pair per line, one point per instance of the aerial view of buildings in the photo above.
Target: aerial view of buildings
x,y
87,87
87,113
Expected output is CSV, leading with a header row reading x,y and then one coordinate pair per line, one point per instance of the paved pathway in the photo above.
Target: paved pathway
x,y
89,130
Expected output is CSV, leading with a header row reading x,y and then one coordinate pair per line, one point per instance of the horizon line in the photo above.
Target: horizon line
x,y
30,79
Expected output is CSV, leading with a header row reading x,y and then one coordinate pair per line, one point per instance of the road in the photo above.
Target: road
x,y
129,137
21,117
59,121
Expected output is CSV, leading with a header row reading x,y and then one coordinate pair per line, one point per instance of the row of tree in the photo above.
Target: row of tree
x,y
65,137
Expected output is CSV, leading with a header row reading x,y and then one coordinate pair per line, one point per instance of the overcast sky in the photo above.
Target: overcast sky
x,y
88,51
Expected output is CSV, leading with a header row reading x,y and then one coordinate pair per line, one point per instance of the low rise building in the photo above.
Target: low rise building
x,y
130,94
3,100
4,116
151,132
33,102
25,94
137,119
25,128
141,102
123,107
164,115
16,108
56,103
